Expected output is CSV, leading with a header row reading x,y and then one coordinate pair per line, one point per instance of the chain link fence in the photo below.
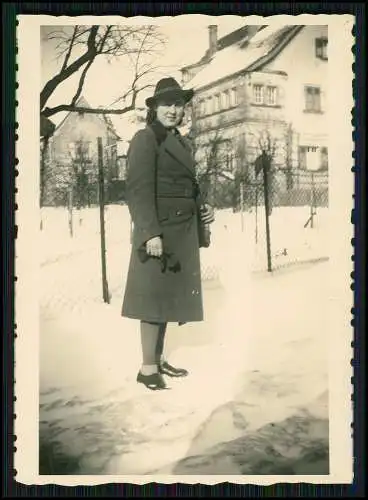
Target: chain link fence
x,y
292,229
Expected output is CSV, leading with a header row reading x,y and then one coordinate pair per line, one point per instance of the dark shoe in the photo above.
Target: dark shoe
x,y
154,382
171,371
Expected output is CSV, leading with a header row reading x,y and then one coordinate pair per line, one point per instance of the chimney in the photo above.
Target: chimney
x,y
212,31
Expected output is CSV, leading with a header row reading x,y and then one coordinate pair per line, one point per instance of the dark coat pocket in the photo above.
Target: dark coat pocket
x,y
174,216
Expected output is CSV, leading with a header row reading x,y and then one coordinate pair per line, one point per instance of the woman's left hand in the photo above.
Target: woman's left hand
x,y
207,214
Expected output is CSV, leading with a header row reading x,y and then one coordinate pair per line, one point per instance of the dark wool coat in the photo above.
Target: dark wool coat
x,y
163,199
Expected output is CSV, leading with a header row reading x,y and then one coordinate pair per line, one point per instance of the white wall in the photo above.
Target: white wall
x,y
298,60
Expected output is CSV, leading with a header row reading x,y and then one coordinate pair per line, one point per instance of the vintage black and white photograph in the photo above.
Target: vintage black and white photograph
x,y
184,223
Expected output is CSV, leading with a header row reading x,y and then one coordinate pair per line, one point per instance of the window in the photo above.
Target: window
x,y
223,100
265,95
201,107
303,151
312,99
323,157
209,106
204,107
84,150
321,48
233,97
217,103
226,99
258,94
271,96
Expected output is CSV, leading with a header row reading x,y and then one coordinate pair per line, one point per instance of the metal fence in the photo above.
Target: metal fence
x,y
285,217
279,216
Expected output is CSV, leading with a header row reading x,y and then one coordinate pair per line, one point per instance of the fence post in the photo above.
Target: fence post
x,y
265,166
105,288
312,204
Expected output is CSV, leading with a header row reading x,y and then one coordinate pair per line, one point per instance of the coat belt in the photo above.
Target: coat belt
x,y
184,194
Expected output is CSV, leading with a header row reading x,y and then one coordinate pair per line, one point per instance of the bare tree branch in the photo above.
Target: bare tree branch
x,y
53,83
81,81
133,43
47,112
103,40
70,48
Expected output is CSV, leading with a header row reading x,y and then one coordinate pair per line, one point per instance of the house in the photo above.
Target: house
x,y
264,85
73,155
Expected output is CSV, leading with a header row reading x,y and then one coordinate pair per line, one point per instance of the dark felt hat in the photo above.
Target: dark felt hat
x,y
169,87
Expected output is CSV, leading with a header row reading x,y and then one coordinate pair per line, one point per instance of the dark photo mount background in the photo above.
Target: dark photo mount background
x,y
9,11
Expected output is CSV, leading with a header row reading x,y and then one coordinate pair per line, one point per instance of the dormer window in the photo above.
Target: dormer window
x,y
321,48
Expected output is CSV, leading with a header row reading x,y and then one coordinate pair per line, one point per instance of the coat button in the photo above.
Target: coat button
x,y
179,212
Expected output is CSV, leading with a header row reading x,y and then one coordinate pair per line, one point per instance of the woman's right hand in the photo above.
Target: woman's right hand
x,y
154,246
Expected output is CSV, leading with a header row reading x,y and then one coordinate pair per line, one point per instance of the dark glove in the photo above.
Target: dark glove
x,y
167,260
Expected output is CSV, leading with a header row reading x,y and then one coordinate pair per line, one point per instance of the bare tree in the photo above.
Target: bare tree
x,y
212,165
242,179
137,44
213,156
267,146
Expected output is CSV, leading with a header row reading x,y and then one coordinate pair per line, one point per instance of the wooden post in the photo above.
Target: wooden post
x,y
312,204
265,165
105,288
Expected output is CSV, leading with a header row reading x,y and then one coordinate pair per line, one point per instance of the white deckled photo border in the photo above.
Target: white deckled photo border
x,y
341,232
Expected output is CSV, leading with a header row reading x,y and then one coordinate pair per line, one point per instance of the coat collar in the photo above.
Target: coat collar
x,y
174,144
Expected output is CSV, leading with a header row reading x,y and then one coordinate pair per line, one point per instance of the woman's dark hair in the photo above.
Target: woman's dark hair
x,y
151,115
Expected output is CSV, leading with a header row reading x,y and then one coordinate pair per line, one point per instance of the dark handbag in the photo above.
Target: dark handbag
x,y
204,232
204,235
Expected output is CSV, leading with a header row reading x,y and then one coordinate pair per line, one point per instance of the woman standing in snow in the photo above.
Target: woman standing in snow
x,y
164,279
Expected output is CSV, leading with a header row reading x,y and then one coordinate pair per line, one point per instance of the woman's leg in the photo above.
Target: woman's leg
x,y
149,339
160,342
164,366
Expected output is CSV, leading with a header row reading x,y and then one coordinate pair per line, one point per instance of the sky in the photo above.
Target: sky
x,y
187,41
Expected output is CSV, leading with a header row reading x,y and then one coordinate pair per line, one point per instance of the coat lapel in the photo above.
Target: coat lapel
x,y
176,148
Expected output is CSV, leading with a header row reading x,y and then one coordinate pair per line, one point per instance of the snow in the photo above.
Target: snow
x,y
234,58
96,412
290,241
129,123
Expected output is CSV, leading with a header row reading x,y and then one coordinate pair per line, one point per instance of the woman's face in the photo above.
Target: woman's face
x,y
170,111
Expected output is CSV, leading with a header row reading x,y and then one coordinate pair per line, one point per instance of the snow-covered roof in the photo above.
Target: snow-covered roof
x,y
129,123
240,35
238,57
82,102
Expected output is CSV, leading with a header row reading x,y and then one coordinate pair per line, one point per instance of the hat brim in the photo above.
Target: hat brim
x,y
185,94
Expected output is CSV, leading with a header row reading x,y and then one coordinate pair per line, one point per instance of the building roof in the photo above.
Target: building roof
x,y
244,55
239,35
106,120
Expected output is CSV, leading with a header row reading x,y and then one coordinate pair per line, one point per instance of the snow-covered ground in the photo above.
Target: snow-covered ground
x,y
257,364
245,359
241,236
